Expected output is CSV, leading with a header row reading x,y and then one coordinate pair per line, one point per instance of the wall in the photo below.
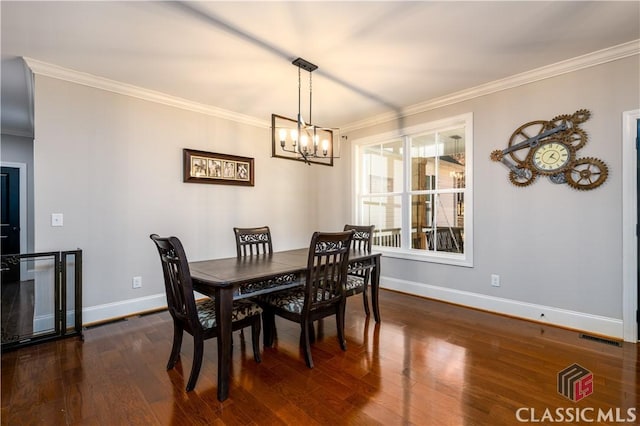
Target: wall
x,y
558,250
118,160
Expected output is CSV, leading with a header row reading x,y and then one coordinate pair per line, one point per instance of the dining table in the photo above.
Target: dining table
x,y
228,279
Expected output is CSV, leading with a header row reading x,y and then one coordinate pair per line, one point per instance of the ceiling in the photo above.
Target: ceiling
x,y
373,57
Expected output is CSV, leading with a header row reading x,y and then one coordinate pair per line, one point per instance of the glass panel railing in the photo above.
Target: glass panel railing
x,y
40,297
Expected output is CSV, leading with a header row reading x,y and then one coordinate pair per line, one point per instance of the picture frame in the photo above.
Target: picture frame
x,y
216,168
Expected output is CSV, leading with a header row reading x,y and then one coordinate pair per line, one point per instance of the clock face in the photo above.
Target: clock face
x,y
551,157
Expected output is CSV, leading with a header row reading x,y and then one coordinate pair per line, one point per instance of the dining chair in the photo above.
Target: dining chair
x,y
321,296
197,318
358,280
252,241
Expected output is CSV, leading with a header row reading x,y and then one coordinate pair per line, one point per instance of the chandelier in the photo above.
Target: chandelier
x,y
458,154
298,139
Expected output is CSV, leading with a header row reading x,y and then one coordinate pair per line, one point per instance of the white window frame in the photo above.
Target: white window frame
x,y
405,134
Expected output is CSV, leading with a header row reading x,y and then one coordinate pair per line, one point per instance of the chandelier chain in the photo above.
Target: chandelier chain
x,y
310,96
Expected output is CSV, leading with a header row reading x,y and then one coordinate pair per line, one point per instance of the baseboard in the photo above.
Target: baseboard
x,y
603,326
109,311
580,321
46,323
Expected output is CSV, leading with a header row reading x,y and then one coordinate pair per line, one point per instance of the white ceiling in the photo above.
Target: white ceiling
x,y
373,57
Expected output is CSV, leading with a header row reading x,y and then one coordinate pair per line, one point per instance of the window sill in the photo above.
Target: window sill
x,y
421,256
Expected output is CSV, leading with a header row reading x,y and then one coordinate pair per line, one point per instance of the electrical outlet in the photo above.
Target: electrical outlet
x,y
57,219
137,282
495,280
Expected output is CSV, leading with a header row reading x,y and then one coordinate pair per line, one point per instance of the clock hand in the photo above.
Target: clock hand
x,y
533,141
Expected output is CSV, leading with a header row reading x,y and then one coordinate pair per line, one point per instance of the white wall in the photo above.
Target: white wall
x,y
558,250
118,161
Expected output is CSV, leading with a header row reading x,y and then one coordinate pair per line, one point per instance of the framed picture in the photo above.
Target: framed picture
x,y
210,167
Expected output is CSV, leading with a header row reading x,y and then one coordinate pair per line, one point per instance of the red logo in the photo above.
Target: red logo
x,y
575,382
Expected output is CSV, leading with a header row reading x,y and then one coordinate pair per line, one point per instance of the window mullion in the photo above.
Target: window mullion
x,y
406,194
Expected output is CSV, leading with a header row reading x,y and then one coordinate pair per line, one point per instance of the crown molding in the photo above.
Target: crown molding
x,y
61,73
570,65
581,62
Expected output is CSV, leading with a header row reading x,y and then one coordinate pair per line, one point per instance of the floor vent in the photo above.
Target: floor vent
x,y
601,340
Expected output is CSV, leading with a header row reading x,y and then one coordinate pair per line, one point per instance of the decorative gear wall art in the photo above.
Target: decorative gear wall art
x,y
548,148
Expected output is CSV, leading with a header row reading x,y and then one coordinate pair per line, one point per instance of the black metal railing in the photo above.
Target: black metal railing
x,y
38,290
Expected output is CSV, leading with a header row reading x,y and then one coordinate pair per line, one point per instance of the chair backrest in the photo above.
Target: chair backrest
x,y
362,237
177,281
252,241
327,268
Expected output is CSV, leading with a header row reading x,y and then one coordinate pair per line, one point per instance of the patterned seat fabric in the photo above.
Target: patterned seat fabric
x,y
354,283
290,300
241,309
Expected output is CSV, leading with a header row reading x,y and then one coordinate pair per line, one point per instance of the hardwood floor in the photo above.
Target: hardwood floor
x,y
16,305
426,363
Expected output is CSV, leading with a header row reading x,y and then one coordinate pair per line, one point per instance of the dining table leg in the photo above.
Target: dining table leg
x,y
224,308
375,285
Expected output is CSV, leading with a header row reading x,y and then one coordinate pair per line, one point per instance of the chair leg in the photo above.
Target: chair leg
x,y
198,349
255,339
175,348
365,300
312,332
340,326
306,345
269,325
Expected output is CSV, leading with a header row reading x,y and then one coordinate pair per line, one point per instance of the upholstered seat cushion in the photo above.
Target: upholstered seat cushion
x,y
290,300
354,284
241,309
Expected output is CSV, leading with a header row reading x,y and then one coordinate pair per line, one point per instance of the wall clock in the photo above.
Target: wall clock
x,y
548,148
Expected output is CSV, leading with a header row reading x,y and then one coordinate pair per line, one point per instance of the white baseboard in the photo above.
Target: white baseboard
x,y
46,323
599,325
124,308
588,323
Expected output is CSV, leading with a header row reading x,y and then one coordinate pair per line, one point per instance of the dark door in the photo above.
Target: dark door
x,y
10,221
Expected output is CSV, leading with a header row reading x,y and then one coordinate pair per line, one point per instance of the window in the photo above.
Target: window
x,y
414,185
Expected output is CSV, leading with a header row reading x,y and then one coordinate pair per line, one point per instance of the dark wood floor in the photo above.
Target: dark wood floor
x,y
427,363
16,305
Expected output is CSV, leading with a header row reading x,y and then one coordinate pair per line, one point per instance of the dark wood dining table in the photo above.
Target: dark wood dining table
x,y
239,277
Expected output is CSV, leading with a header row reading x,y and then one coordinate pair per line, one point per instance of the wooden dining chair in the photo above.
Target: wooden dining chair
x,y
197,318
252,241
321,296
358,280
